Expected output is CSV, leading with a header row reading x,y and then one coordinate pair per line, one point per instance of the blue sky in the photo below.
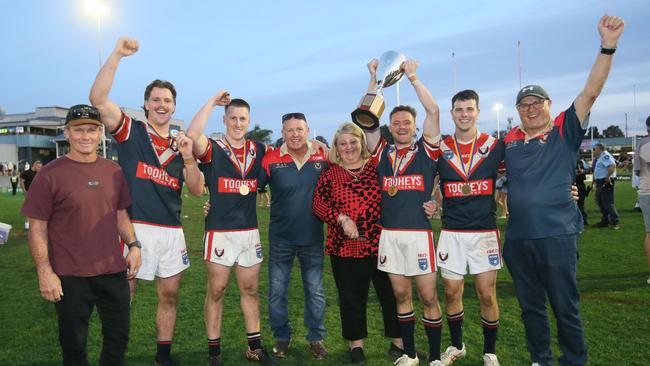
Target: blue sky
x,y
287,56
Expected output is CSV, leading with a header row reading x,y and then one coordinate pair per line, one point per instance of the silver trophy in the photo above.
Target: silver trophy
x,y
371,107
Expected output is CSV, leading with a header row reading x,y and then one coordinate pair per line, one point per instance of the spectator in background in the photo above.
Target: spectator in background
x,y
582,168
605,179
26,179
14,182
642,169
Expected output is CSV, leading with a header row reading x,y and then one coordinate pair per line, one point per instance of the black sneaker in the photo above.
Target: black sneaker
x,y
281,349
600,224
357,357
215,361
260,356
166,362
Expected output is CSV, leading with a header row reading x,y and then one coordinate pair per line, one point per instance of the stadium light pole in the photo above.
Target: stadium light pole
x,y
98,9
498,107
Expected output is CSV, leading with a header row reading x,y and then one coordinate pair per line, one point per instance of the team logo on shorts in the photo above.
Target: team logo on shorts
x,y
382,260
258,250
186,259
447,154
218,253
494,259
443,256
423,261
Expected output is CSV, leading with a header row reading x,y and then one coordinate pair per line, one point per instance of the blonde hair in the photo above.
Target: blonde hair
x,y
354,130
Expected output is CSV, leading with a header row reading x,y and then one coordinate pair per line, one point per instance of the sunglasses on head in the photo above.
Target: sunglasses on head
x,y
84,113
296,115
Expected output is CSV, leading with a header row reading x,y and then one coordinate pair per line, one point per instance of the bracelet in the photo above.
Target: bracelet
x,y
189,161
607,51
412,78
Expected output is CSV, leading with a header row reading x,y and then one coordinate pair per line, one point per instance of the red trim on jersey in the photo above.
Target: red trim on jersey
x,y
152,224
398,229
206,158
432,253
123,131
471,231
231,230
559,122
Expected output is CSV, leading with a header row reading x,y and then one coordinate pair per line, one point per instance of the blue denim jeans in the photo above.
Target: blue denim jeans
x,y
310,258
542,268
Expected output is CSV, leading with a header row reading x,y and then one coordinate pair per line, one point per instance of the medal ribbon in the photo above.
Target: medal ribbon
x,y
234,155
171,139
397,164
460,156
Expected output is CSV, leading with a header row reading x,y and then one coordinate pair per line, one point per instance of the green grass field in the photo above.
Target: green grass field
x,y
612,277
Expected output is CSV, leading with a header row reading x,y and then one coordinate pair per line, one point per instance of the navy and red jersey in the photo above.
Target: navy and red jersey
x,y
416,168
356,196
153,171
540,173
471,208
221,165
292,220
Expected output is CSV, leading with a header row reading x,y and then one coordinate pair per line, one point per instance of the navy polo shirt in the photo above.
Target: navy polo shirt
x,y
540,173
292,190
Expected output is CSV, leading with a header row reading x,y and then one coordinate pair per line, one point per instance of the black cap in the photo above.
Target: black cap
x,y
81,114
534,90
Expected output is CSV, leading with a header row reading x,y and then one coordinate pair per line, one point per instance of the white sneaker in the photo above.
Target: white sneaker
x,y
648,281
535,364
452,354
490,359
436,363
405,360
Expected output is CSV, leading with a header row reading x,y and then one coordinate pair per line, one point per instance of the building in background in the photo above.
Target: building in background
x,y
25,137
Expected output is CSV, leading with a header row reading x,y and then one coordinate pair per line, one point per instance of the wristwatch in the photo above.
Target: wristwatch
x,y
134,244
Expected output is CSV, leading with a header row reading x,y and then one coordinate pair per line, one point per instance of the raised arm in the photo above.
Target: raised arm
x,y
48,282
610,29
431,126
110,112
197,126
372,137
193,176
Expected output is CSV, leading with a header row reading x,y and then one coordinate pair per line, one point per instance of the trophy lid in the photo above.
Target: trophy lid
x,y
389,69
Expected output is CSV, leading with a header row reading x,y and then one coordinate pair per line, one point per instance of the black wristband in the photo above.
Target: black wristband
x,y
607,51
134,244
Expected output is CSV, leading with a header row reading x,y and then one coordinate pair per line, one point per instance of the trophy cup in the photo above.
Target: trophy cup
x,y
372,105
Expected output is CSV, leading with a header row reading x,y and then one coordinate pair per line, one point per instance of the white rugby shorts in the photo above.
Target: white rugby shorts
x,y
243,247
480,251
406,252
163,252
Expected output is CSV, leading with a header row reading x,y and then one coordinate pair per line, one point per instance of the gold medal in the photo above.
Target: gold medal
x,y
392,190
466,189
244,190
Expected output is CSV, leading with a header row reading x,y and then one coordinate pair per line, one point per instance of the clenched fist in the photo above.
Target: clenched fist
x,y
126,47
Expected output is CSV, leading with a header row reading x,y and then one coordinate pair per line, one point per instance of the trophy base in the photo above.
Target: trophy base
x,y
369,111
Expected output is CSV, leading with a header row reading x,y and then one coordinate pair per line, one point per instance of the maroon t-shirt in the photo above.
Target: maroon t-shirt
x,y
79,201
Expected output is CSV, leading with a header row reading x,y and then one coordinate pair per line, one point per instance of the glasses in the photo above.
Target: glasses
x,y
524,107
296,115
83,112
